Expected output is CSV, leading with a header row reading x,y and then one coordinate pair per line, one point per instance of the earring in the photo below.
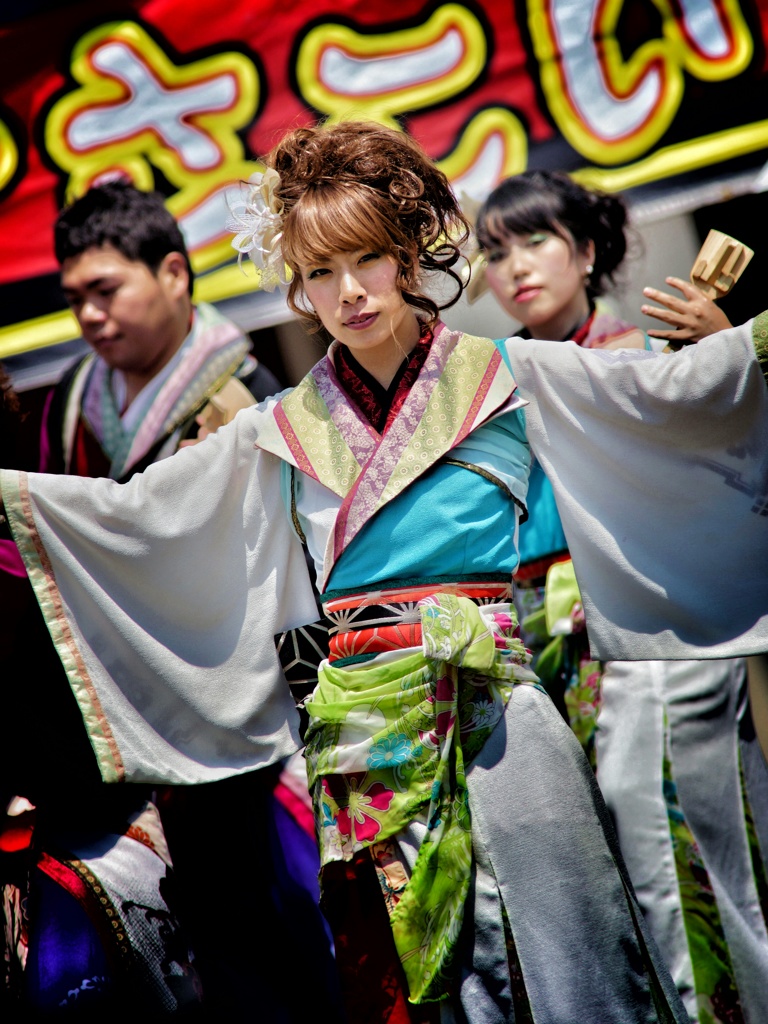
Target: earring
x,y
588,270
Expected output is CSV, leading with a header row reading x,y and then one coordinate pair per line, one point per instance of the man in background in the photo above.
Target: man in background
x,y
211,889
156,359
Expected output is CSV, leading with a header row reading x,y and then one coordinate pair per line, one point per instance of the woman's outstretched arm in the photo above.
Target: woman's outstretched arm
x,y
661,478
163,596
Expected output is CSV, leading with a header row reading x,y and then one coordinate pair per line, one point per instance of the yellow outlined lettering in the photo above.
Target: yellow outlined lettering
x,y
345,73
609,109
135,109
9,155
614,110
668,161
713,37
492,147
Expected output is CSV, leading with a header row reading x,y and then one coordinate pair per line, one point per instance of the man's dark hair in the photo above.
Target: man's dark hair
x,y
135,223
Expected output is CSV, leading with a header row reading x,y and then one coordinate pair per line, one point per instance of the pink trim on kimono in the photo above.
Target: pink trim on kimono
x,y
482,393
604,329
218,339
380,482
347,417
316,428
300,457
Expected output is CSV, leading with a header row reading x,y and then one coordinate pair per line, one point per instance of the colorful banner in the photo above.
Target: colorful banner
x,y
184,96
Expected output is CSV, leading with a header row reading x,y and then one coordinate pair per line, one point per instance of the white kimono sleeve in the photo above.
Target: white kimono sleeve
x,y
660,470
163,596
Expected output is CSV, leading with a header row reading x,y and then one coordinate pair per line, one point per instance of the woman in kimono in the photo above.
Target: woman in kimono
x,y
649,727
548,250
470,871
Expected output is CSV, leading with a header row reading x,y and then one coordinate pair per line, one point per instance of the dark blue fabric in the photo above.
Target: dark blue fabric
x,y
67,964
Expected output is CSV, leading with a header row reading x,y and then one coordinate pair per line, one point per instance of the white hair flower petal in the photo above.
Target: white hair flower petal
x,y
257,224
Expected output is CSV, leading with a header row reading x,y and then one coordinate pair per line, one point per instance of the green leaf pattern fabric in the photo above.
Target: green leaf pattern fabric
x,y
389,743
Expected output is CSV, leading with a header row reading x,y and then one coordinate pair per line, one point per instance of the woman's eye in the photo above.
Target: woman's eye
x,y
317,272
496,255
537,238
369,256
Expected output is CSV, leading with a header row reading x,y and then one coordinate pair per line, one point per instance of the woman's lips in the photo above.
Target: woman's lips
x,y
357,323
526,294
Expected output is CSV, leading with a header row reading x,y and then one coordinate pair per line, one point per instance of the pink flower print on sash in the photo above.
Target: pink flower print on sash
x,y
356,818
506,628
506,637
444,701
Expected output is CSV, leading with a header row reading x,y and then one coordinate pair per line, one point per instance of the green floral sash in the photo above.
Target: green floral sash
x,y
389,743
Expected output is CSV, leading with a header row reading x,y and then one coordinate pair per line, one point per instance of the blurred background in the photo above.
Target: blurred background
x,y
665,103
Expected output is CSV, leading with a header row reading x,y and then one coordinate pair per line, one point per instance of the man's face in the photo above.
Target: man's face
x,y
133,318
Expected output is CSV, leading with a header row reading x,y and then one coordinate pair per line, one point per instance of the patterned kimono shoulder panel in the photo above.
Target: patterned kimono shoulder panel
x,y
605,329
315,428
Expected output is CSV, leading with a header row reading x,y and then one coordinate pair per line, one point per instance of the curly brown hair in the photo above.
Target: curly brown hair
x,y
356,184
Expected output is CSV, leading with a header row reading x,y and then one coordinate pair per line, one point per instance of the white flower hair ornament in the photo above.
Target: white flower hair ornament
x,y
258,226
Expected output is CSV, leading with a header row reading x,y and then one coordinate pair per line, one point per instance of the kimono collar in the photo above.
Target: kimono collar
x,y
316,428
213,350
381,405
602,329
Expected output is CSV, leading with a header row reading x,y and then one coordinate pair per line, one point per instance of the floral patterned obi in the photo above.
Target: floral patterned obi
x,y
389,743
362,625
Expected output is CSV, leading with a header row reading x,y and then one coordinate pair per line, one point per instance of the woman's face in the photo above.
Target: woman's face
x,y
540,280
358,299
